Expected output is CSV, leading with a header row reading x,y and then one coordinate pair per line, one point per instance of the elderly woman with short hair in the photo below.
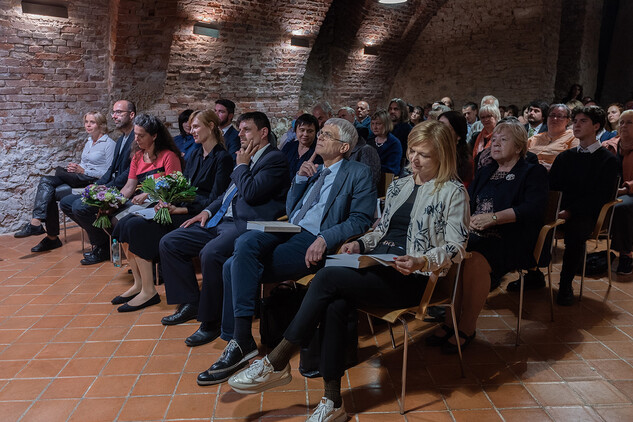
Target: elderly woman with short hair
x,y
95,160
489,115
507,201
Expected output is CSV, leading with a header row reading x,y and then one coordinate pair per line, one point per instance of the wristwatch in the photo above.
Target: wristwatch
x,y
494,218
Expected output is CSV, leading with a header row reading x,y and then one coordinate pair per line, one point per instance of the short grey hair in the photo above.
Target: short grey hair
x,y
488,98
563,107
325,106
349,111
490,109
347,132
437,110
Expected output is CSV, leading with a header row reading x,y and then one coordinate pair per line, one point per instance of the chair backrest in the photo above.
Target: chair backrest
x,y
545,240
605,218
383,185
445,291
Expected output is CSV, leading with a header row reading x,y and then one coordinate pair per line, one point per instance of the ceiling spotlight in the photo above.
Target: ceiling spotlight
x,y
370,50
300,42
391,1
53,10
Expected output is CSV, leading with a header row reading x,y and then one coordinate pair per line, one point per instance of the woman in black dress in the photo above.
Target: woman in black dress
x,y
209,169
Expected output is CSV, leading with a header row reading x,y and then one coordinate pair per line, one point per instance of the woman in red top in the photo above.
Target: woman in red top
x,y
154,154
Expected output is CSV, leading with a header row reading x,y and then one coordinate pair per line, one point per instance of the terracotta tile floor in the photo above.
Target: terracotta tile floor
x,y
66,354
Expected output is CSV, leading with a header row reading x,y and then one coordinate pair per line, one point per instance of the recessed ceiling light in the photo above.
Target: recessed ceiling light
x,y
391,1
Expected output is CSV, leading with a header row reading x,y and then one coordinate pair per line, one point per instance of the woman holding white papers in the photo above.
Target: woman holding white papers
x,y
208,168
425,223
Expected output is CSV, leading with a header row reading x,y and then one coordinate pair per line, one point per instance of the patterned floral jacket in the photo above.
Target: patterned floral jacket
x,y
439,222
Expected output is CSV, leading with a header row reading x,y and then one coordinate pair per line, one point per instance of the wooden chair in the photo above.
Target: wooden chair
x,y
602,228
392,316
545,241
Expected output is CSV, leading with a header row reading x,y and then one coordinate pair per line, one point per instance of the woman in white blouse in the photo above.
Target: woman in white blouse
x,y
95,160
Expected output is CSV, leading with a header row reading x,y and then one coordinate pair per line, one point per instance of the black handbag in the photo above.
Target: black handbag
x,y
310,355
277,311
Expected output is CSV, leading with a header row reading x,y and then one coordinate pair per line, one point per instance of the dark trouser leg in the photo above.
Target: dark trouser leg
x,y
373,286
176,251
45,195
577,230
212,258
334,339
85,215
622,228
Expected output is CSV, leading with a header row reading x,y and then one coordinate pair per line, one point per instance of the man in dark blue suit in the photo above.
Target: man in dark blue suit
x,y
123,113
258,192
330,203
225,109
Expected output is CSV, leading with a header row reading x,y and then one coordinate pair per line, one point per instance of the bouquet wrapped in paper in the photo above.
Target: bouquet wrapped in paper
x,y
104,198
171,189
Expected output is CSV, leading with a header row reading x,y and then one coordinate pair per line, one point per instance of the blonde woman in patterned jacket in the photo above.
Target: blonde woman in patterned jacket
x,y
425,223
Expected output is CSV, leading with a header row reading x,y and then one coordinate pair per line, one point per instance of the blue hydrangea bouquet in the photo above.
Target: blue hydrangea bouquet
x,y
170,189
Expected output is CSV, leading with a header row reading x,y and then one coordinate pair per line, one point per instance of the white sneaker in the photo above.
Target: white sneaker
x,y
258,377
326,412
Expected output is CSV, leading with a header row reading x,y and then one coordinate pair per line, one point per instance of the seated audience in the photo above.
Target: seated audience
x,y
399,115
457,124
622,229
507,201
96,157
362,152
331,203
512,111
184,140
574,94
524,114
424,242
388,146
123,113
613,117
259,183
586,176
225,110
363,118
547,145
417,115
208,169
306,128
537,113
322,111
437,110
477,126
154,155
488,116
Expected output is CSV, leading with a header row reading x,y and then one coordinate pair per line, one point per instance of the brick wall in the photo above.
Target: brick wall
x,y
51,73
470,49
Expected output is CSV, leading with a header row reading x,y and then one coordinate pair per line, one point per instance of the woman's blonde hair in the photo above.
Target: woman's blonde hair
x,y
439,135
206,117
100,118
383,116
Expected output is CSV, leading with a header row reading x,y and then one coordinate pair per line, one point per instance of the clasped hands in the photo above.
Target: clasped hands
x,y
404,264
74,168
482,221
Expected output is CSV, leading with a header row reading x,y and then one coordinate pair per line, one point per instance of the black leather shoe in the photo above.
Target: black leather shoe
x,y
120,300
97,255
565,296
533,280
233,358
29,230
205,334
126,307
185,312
47,244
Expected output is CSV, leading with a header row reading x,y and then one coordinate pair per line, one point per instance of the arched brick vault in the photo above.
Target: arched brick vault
x,y
340,72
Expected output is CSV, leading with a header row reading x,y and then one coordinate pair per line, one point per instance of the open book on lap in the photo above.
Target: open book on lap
x,y
359,260
273,226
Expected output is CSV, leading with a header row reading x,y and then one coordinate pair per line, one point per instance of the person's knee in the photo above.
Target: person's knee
x,y
168,244
226,271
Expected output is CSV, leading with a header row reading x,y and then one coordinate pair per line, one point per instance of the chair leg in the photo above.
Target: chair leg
x,y
459,346
83,240
609,259
520,307
156,279
393,339
371,325
582,277
551,291
64,225
405,356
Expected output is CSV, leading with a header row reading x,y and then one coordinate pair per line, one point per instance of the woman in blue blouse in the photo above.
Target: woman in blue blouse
x,y
184,141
